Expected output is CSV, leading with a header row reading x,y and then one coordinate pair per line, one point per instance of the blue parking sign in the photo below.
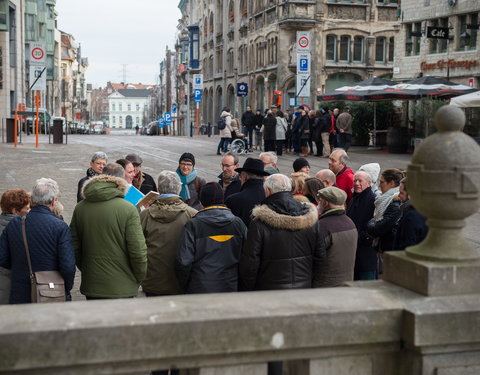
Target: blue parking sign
x,y
161,122
197,95
304,65
168,118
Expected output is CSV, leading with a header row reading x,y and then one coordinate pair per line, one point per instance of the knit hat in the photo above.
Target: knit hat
x,y
211,194
333,195
373,169
188,157
300,163
134,159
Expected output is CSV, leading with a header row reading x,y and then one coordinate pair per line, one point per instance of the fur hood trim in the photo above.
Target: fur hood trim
x,y
280,221
121,183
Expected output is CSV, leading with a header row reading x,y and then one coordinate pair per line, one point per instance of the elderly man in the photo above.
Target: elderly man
x,y
49,243
229,179
97,163
162,225
269,159
326,176
337,163
284,247
340,236
251,193
142,181
360,210
344,125
108,240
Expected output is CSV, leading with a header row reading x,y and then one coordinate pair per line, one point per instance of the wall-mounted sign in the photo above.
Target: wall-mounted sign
x,y
435,32
450,64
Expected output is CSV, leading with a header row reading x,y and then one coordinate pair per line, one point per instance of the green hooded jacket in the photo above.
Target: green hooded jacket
x,y
110,248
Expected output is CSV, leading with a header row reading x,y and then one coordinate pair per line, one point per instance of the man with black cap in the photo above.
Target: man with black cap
x,y
142,181
340,237
210,246
191,183
251,193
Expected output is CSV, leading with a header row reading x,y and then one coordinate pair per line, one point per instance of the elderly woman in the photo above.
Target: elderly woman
x,y
13,202
129,170
97,163
191,183
298,182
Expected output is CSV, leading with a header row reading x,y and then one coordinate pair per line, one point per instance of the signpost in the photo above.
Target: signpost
x,y
37,79
303,64
197,97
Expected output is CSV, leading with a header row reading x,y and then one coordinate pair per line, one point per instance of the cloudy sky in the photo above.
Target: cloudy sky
x,y
117,32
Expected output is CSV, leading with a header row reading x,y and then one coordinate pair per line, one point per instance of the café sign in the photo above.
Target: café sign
x,y
437,32
449,64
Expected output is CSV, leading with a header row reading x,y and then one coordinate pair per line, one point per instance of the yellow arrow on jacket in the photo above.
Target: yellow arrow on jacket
x,y
221,238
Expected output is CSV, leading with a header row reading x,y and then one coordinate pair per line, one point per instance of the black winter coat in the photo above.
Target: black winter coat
x,y
242,203
360,210
284,247
258,121
411,228
248,119
304,128
269,126
148,184
233,188
90,173
384,228
209,251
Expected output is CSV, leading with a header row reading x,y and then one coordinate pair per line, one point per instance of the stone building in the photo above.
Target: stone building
x,y
254,42
456,56
129,108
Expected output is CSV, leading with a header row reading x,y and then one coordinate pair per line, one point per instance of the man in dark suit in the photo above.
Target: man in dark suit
x,y
251,193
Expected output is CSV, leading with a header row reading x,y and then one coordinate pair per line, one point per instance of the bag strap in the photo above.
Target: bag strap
x,y
25,242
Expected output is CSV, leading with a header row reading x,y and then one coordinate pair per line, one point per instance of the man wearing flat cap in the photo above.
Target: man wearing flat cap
x,y
340,237
251,193
142,181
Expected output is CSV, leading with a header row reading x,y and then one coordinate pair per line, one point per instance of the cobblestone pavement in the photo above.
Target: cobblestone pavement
x,y
68,163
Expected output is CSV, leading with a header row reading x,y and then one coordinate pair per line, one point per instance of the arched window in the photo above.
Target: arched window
x,y
359,49
219,16
231,12
331,48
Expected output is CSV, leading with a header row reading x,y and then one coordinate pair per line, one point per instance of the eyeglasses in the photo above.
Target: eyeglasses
x,y
186,164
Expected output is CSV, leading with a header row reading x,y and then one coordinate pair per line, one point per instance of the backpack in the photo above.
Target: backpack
x,y
221,123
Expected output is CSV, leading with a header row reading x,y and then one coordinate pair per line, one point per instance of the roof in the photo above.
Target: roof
x,y
135,93
124,86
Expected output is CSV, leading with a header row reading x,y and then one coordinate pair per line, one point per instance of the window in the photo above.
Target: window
x,y
129,107
113,107
137,120
331,53
412,40
387,2
391,49
30,29
114,120
467,32
3,16
42,30
120,108
41,5
120,120
380,49
438,45
12,38
358,48
345,48
138,107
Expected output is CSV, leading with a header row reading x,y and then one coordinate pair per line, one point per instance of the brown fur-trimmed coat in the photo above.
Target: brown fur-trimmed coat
x,y
284,247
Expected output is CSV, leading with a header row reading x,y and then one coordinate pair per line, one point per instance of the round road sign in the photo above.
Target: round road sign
x,y
303,42
38,53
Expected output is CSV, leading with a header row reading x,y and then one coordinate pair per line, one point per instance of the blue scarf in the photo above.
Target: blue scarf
x,y
185,180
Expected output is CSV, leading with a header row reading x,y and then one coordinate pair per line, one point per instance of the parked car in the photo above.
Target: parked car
x,y
152,128
97,129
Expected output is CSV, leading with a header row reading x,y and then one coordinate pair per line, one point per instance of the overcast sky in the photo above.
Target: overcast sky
x,y
117,32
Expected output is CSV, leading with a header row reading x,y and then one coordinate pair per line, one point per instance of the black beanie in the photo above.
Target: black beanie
x,y
187,156
299,164
211,194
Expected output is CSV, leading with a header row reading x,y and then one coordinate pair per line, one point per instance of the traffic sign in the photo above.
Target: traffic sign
x,y
38,78
303,62
168,118
303,85
303,41
161,122
197,95
174,108
242,89
37,54
198,81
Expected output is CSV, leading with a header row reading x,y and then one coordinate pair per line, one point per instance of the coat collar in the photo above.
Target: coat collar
x,y
120,182
281,221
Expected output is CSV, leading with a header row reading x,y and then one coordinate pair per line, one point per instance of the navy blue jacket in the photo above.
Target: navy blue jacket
x,y
411,227
50,245
242,203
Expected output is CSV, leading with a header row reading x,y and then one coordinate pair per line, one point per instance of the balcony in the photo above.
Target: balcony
x,y
299,15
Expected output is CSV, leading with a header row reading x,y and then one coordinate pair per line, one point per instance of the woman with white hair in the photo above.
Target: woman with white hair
x,y
97,163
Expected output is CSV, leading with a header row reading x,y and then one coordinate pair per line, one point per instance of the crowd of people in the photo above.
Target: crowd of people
x,y
252,229
297,131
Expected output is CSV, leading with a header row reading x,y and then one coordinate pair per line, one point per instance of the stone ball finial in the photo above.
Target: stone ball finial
x,y
449,118
443,180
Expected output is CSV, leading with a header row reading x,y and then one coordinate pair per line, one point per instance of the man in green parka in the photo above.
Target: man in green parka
x,y
110,248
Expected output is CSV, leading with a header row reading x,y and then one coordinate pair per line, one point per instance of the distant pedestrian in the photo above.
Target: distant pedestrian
x,y
268,130
108,239
340,237
191,183
258,125
251,193
162,225
210,246
226,132
288,133
333,132
229,178
344,125
142,180
338,164
97,163
248,125
280,131
49,243
327,122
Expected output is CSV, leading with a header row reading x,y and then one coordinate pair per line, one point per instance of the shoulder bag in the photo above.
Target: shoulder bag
x,y
47,286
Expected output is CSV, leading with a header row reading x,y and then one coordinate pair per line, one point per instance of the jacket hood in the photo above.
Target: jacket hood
x,y
166,210
286,213
216,217
225,114
103,188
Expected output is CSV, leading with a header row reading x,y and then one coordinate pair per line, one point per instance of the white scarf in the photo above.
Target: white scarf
x,y
382,202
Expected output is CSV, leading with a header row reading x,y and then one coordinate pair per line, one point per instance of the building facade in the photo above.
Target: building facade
x,y
129,108
255,42
453,53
